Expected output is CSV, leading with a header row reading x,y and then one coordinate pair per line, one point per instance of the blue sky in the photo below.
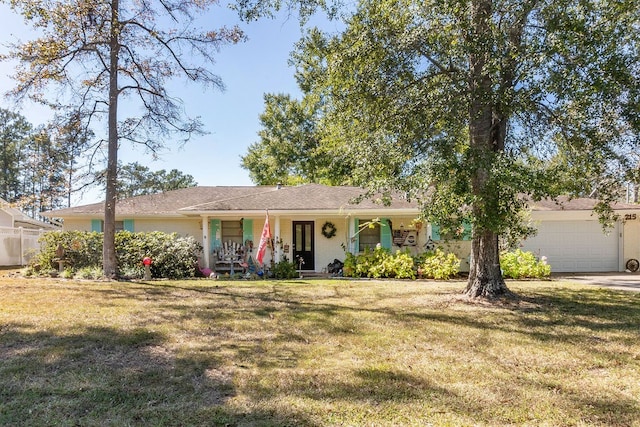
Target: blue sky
x,y
248,70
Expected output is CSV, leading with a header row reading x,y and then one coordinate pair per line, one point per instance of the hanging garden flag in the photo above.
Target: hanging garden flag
x,y
264,240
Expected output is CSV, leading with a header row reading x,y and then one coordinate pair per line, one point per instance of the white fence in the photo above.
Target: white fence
x,y
18,245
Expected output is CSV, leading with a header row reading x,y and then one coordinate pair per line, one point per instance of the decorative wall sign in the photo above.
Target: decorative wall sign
x,y
405,237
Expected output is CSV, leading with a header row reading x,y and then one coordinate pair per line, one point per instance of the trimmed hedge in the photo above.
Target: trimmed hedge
x,y
173,256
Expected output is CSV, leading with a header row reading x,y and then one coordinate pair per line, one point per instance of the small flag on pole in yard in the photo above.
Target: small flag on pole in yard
x,y
264,239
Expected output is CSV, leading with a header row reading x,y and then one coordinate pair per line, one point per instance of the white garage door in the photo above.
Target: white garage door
x,y
575,246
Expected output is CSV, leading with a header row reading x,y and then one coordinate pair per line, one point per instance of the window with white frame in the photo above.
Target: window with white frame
x,y
119,226
231,230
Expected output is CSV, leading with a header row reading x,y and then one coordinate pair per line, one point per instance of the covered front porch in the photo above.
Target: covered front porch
x,y
231,242
311,239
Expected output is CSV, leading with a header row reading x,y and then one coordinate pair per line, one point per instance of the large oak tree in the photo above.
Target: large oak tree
x,y
89,55
474,106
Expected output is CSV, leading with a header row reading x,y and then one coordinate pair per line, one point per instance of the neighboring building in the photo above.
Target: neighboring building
x,y
569,236
12,217
19,235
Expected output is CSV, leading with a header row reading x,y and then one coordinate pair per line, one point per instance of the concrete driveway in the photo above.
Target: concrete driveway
x,y
621,281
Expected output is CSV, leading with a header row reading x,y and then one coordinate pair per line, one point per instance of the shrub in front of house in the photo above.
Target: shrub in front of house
x,y
81,249
519,264
285,270
349,265
369,263
438,265
398,266
173,256
88,273
379,263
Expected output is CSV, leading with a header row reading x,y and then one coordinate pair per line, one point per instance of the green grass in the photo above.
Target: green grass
x,y
315,353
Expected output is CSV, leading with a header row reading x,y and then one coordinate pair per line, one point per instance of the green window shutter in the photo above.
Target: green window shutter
x,y
215,233
247,230
356,243
385,233
467,231
96,225
435,232
127,224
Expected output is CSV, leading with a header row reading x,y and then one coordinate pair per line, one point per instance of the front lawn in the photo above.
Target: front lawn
x,y
315,353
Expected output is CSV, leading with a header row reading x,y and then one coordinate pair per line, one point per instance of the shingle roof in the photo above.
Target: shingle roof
x,y
20,219
161,203
309,197
240,198
574,204
303,197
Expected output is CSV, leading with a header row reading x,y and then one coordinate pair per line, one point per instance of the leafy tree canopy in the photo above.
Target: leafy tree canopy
x,y
467,106
39,165
97,53
14,131
290,150
136,180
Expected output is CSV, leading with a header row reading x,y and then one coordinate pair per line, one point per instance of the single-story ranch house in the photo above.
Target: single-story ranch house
x,y
12,217
317,224
19,235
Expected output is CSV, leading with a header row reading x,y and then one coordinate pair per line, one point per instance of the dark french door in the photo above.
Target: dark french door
x,y
303,244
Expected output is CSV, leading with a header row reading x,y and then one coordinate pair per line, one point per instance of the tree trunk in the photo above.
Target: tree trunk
x,y
109,261
485,276
487,130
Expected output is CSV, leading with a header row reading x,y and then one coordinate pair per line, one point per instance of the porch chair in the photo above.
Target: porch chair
x,y
230,257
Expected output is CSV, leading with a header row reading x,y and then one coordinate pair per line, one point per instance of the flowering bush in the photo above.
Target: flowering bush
x,y
519,265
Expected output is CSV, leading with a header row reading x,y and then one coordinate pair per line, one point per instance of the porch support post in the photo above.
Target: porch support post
x,y
352,232
205,240
276,253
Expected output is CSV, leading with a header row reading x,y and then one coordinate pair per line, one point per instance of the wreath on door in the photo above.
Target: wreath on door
x,y
328,230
